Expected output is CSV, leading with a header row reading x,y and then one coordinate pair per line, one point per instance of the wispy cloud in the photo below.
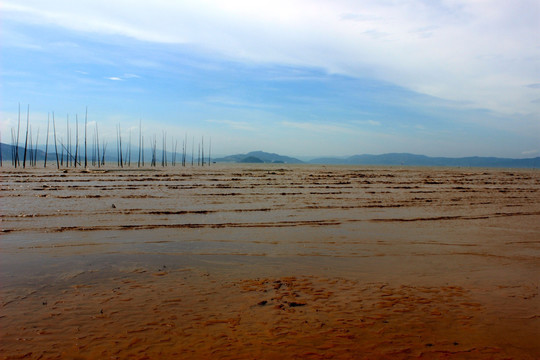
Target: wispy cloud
x,y
367,122
398,42
232,102
237,125
123,77
530,152
317,127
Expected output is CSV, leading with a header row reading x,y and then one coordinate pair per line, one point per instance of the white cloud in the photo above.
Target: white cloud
x,y
485,52
530,152
321,128
238,125
123,77
368,122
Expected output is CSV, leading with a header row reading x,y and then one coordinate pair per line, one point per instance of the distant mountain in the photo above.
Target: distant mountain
x,y
259,157
7,152
422,160
404,159
251,160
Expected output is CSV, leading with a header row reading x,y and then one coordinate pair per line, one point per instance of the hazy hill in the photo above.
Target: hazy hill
x,y
264,157
259,157
422,160
7,151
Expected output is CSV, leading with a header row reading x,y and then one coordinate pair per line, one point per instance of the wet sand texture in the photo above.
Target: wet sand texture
x,y
270,262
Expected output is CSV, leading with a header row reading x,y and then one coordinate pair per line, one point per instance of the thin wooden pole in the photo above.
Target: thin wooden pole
x,y
36,148
17,162
30,149
97,143
85,131
140,143
103,153
55,146
13,147
76,139
164,152
120,145
47,141
68,137
129,149
26,141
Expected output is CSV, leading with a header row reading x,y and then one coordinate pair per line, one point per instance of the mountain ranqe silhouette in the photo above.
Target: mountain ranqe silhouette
x,y
259,157
399,159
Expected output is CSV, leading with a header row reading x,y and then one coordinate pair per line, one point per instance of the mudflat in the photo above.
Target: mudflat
x,y
270,262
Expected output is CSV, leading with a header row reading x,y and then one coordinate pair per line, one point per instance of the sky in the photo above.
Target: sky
x,y
300,78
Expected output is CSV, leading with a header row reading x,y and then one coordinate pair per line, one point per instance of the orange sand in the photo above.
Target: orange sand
x,y
270,262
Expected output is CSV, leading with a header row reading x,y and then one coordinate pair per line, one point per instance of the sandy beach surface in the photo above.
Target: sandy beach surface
x,y
270,262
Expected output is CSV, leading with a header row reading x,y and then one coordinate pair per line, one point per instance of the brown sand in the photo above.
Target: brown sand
x,y
270,262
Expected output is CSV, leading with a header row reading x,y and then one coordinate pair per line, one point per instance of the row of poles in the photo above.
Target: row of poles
x,y
68,155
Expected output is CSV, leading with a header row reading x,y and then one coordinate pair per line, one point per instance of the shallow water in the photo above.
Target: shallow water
x,y
267,261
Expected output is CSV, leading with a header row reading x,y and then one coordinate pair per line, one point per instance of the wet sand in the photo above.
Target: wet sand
x,y
270,262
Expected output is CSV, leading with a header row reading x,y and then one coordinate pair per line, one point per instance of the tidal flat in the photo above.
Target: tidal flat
x,y
270,261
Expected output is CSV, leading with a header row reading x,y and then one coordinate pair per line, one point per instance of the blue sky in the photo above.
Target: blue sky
x,y
300,78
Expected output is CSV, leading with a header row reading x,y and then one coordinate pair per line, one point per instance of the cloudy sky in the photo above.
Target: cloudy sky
x,y
296,77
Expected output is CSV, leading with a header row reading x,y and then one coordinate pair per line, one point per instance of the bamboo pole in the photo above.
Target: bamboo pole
x,y
164,151
97,143
61,154
30,149
68,137
26,141
55,146
36,148
140,143
69,154
103,153
13,147
120,146
76,139
154,157
47,141
94,151
85,130
17,162
129,149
